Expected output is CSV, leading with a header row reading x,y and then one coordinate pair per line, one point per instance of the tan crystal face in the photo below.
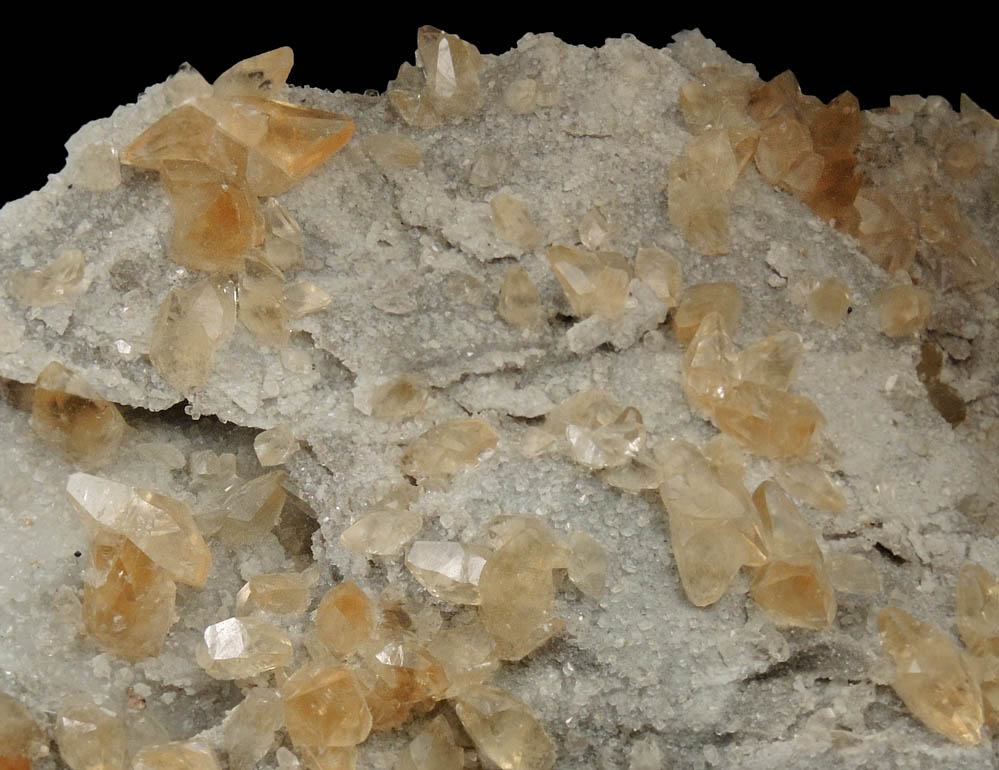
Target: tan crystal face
x,y
504,729
345,618
405,396
446,448
240,648
519,302
595,283
323,706
699,300
59,281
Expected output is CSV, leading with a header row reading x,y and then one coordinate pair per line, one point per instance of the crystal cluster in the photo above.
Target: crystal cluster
x,y
222,154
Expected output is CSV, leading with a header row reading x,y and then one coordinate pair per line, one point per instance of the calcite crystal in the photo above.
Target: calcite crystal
x,y
519,302
932,677
382,532
400,398
978,609
391,151
448,570
720,297
594,282
277,592
587,564
505,730
91,737
400,676
239,648
467,654
248,510
903,310
661,272
249,730
71,417
512,222
179,755
828,301
345,618
21,739
275,446
59,281
447,448
324,707
433,749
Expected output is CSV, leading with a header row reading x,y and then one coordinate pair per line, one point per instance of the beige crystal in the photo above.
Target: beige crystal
x,y
275,446
513,223
903,310
382,533
467,653
324,707
262,310
249,731
345,618
699,300
519,302
432,749
977,613
828,302
281,593
809,483
180,755
587,564
59,281
91,737
400,398
769,422
391,151
594,282
661,272
304,298
240,648
261,76
853,573
447,448
505,730
448,570
250,509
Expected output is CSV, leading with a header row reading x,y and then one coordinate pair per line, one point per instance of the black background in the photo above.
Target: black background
x,y
86,67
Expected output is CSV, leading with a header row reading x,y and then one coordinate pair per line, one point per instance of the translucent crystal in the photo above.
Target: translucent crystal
x,y
59,281
793,587
853,574
447,448
283,248
251,509
593,282
641,472
610,445
784,141
769,422
400,398
329,757
903,310
504,729
128,601
828,302
978,608
68,415
21,739
249,729
519,302
240,648
587,564
398,677
324,707
503,528
98,167
260,76
181,755
773,361
521,96
963,260
661,272
452,69
512,221
886,235
277,592
304,298
588,409
698,191
90,737
709,365
468,654
275,446
448,570
345,618
190,326
517,595
594,230
161,527
932,677
262,310
382,532
718,97
700,299
433,749
393,151
810,484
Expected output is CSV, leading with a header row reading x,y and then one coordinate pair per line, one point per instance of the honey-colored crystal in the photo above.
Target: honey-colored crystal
x,y
512,222
809,483
467,653
59,281
261,76
886,235
828,302
161,527
275,445
283,248
519,302
722,297
793,587
903,310
190,326
448,570
587,564
329,757
595,283
392,151
68,415
853,574
451,66
400,676
503,528
598,432
432,749
249,510
661,272
769,422
978,608
345,618
128,600
505,730
382,532
324,707
262,310
517,595
400,398
709,365
932,677
91,737
304,298
773,361
594,230
21,739
249,730
784,141
699,189
281,593
180,755
239,648
447,448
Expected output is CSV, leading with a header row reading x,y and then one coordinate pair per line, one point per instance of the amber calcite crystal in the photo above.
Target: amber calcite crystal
x,y
180,755
903,310
978,608
661,272
91,737
517,595
398,677
594,282
722,297
283,247
382,532
810,484
932,677
161,527
505,730
519,302
448,570
793,587
262,310
709,365
773,361
128,601
598,432
304,298
447,448
587,564
59,281
68,415
467,653
21,739
345,618
281,593
249,730
769,422
886,235
191,325
853,574
828,301
259,76
239,648
512,221
432,749
391,151
250,509
324,707
275,445
400,398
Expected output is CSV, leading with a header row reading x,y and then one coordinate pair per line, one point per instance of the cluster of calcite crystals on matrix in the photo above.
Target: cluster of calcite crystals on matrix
x,y
508,412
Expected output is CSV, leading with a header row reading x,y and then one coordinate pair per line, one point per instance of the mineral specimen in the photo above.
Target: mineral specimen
x,y
505,730
59,281
519,304
324,707
447,448
448,570
240,648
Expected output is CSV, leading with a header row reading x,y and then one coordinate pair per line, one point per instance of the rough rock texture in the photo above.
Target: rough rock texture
x,y
413,264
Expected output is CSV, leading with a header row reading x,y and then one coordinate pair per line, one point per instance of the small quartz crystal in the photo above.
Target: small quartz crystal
x,y
69,415
447,448
517,595
433,749
468,654
700,299
161,527
903,310
661,272
345,618
262,310
932,677
512,222
793,587
382,532
275,445
828,302
400,398
505,730
587,564
324,707
853,574
181,755
239,648
249,729
594,282
59,281
280,593
190,326
448,570
519,302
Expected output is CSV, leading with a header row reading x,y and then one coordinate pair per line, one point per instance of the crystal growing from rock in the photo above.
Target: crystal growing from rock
x,y
261,76
505,730
281,593
903,310
722,297
447,448
433,749
400,398
345,618
240,648
594,282
587,564
324,707
519,302
180,755
91,737
661,272
448,570
249,730
275,445
512,222
59,281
